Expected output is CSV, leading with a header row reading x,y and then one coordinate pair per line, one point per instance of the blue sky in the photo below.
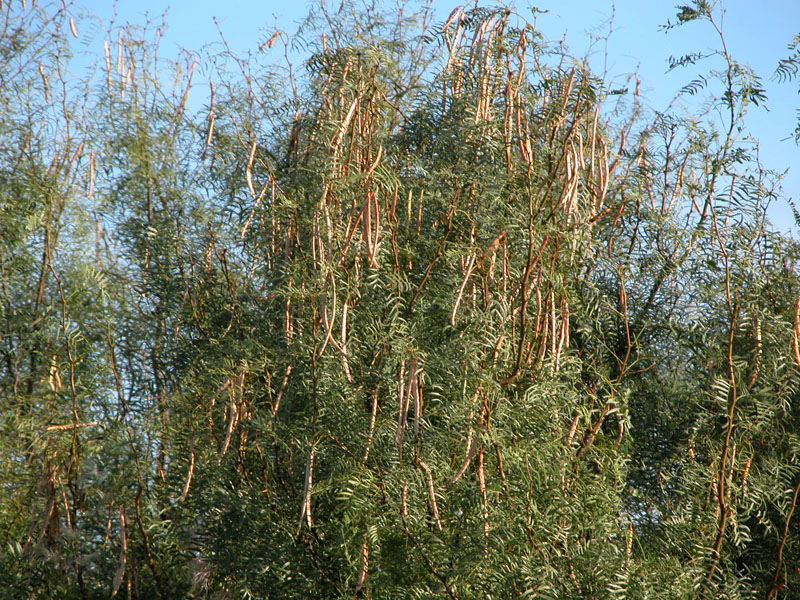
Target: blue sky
x,y
757,34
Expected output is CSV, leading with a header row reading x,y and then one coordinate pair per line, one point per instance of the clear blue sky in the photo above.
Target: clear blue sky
x,y
757,33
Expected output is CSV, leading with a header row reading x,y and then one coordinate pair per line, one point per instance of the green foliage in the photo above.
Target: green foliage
x,y
787,70
443,317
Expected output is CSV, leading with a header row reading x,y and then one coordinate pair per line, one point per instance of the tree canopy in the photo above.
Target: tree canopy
x,y
439,314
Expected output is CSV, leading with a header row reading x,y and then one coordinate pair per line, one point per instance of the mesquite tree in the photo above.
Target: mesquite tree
x,y
440,315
